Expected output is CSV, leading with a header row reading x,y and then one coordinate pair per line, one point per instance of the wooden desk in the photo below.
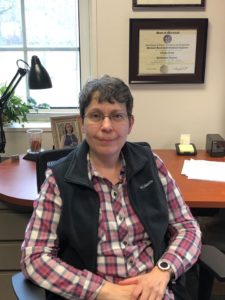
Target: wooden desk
x,y
196,193
18,181
18,189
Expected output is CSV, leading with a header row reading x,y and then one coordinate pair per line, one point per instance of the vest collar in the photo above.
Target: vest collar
x,y
77,171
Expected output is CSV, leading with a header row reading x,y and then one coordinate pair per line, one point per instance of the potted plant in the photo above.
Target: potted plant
x,y
16,110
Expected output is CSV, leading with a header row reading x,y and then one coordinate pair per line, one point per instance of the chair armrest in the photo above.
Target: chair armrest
x,y
213,260
25,289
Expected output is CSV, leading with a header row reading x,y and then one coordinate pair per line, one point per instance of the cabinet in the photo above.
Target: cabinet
x,y
13,221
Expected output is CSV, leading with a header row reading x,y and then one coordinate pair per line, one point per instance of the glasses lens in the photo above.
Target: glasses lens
x,y
118,117
95,117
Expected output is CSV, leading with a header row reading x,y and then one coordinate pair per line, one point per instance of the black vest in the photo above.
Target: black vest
x,y
78,226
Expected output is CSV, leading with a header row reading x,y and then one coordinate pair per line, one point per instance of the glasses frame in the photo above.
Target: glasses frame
x,y
110,117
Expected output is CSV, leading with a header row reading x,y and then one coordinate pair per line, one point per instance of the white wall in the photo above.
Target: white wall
x,y
162,112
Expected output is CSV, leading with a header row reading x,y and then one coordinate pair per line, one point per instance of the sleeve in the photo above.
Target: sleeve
x,y
39,261
184,232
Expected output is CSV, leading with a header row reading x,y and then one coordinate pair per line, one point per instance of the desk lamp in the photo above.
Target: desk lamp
x,y
38,79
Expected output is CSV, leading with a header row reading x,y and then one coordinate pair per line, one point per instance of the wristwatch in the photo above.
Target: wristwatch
x,y
163,265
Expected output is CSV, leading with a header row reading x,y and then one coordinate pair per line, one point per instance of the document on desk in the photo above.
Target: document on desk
x,y
204,170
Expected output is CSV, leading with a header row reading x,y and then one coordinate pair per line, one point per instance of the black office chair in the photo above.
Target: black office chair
x,y
44,159
25,290
212,265
213,235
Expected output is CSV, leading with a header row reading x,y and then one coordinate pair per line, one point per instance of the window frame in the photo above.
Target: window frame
x,y
44,115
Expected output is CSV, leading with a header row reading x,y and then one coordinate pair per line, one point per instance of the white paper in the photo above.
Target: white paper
x,y
204,170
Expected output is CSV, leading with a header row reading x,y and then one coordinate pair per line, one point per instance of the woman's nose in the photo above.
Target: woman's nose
x,y
106,122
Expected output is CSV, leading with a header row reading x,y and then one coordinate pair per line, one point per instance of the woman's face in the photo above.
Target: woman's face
x,y
69,128
106,138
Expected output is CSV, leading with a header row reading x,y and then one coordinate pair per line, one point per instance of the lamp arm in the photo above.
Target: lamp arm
x,y
12,86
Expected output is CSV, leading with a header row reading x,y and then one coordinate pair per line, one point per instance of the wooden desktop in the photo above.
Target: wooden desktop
x,y
196,193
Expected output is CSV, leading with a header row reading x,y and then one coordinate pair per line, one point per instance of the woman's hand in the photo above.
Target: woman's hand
x,y
111,291
150,286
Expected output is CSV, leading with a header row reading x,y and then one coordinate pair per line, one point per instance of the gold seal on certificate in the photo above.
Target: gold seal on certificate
x,y
164,69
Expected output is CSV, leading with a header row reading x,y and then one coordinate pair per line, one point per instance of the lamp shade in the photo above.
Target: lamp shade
x,y
38,76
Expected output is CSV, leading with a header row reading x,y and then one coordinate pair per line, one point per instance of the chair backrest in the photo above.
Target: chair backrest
x,y
25,289
44,158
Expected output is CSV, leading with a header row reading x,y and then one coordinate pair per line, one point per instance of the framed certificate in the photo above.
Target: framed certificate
x,y
167,3
167,50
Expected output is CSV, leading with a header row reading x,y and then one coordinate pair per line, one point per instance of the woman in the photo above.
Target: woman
x,y
69,139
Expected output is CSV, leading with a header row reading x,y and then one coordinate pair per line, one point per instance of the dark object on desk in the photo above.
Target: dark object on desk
x,y
189,149
31,156
44,158
215,145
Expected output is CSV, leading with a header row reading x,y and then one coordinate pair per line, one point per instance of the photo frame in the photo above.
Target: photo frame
x,y
66,131
167,3
167,50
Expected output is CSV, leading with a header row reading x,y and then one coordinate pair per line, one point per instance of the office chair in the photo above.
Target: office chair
x,y
213,234
26,290
44,160
211,265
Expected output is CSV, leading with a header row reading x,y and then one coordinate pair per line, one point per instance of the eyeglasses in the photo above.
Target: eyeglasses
x,y
97,117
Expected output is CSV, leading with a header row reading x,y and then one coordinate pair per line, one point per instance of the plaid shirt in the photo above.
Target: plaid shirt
x,y
124,248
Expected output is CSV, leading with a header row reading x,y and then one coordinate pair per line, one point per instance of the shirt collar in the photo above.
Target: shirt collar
x,y
93,172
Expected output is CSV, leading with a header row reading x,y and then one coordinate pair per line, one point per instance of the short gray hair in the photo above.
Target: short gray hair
x,y
111,89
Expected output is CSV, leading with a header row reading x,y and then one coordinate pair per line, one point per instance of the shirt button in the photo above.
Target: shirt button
x,y
124,243
119,218
113,194
131,261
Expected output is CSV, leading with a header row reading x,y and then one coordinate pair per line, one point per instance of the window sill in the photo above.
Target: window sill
x,y
46,126
40,120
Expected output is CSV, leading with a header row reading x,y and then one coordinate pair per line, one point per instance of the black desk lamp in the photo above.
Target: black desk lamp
x,y
38,79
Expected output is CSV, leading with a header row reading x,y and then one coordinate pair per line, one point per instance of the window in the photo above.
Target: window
x,y
50,30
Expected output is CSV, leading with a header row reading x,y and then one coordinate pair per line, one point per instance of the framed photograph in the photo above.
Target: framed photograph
x,y
167,3
167,50
66,131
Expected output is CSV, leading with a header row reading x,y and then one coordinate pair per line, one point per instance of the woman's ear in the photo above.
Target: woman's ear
x,y
131,123
82,126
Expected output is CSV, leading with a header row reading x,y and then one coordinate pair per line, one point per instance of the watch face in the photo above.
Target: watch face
x,y
163,265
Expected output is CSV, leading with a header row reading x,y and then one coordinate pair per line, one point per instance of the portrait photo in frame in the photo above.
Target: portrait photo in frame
x,y
167,50
66,131
167,3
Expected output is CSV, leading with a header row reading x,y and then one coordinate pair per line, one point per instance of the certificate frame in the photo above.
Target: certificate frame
x,y
152,59
167,3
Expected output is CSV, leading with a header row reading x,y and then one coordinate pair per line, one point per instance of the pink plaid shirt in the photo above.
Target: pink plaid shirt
x,y
124,248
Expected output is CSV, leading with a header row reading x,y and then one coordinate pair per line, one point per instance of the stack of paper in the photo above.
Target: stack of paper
x,y
204,170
